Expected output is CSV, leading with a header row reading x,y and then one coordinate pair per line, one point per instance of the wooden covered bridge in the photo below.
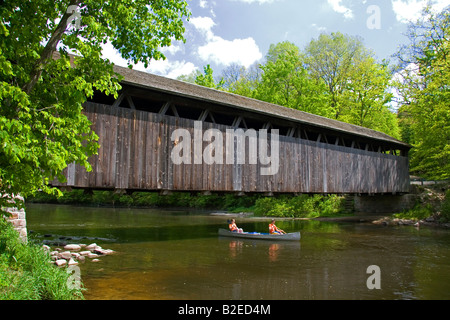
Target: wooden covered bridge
x,y
159,133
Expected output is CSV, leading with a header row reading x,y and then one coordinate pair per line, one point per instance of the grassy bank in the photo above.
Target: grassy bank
x,y
432,202
303,206
26,272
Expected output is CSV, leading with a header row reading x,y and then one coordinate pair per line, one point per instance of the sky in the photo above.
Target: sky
x,y
225,32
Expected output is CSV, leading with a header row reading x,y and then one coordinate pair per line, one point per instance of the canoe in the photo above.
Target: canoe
x,y
295,236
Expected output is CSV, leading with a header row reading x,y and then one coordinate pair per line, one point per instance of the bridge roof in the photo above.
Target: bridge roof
x,y
175,87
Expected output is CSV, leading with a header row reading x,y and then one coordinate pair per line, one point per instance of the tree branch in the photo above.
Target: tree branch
x,y
49,49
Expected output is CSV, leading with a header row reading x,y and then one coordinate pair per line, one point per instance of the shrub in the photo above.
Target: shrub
x,y
263,206
26,272
303,206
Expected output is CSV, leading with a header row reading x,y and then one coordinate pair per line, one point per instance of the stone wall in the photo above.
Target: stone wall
x,y
383,203
18,219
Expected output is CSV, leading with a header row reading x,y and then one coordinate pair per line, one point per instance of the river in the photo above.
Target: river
x,y
177,255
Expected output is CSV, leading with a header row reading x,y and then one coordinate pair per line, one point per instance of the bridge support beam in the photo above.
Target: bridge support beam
x,y
383,204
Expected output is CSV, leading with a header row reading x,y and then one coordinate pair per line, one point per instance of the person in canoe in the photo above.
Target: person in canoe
x,y
233,227
273,229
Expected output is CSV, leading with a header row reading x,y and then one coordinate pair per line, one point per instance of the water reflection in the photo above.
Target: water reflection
x,y
272,249
178,255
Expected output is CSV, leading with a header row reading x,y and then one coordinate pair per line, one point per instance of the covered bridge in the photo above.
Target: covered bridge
x,y
159,132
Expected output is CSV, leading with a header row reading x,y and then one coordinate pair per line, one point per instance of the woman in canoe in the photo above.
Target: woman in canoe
x,y
233,227
273,229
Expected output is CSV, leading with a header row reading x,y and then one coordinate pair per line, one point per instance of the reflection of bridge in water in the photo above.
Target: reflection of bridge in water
x,y
316,155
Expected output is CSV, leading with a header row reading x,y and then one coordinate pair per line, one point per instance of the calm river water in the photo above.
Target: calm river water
x,y
165,255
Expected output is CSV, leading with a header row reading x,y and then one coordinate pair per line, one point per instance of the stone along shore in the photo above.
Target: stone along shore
x,y
72,254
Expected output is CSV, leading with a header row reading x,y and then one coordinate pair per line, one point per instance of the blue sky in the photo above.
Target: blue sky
x,y
222,32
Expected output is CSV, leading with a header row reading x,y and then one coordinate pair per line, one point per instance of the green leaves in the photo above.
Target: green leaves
x,y
426,94
207,79
42,127
285,81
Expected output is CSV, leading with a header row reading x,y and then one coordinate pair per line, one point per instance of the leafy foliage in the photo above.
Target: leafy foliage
x,y
207,79
303,206
424,87
42,87
285,81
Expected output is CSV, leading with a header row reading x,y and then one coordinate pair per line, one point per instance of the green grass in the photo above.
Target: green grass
x,y
26,272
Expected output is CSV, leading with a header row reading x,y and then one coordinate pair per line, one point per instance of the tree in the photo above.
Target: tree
x,y
366,97
357,85
42,127
332,58
424,87
286,82
207,79
242,81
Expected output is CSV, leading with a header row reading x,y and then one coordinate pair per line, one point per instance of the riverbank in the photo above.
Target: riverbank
x,y
301,206
26,272
432,204
432,208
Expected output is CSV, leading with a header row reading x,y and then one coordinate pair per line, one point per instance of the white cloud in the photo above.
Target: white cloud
x,y
204,25
318,28
241,51
171,69
411,10
173,49
339,8
224,52
208,4
167,68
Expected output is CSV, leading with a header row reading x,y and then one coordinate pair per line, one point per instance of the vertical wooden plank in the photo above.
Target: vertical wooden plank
x,y
306,166
152,145
220,167
139,152
170,127
324,150
71,170
98,168
187,178
101,131
131,150
113,142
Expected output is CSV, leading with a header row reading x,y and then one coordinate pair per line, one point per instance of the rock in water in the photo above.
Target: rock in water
x,y
61,262
72,247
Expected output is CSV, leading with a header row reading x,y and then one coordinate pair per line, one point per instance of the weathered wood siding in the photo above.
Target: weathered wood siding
x,y
135,149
